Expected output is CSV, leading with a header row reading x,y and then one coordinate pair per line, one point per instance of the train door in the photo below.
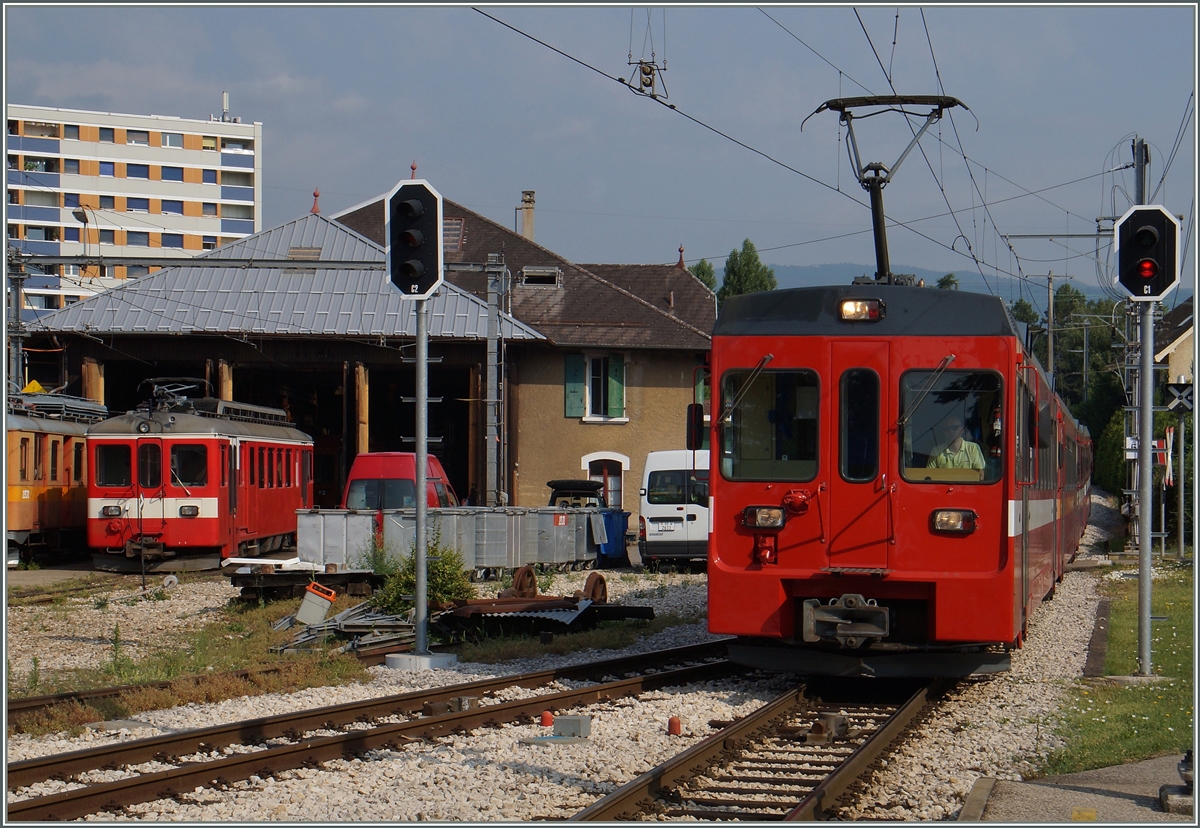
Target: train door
x,y
1026,474
253,466
151,504
858,497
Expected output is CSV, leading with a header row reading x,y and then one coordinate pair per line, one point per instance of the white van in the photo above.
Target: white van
x,y
673,524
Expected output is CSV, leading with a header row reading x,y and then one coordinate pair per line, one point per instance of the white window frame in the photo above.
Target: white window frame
x,y
166,140
589,357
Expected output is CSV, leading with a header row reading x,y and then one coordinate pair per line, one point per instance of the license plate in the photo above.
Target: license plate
x,y
666,527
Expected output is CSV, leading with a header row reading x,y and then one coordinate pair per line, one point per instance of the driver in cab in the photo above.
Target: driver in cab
x,y
954,452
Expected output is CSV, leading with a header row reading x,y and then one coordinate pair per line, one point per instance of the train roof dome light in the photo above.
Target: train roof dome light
x,y
862,310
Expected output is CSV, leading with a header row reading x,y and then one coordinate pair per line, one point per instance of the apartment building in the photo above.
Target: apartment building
x,y
104,184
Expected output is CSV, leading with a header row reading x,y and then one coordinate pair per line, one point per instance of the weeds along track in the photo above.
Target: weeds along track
x,y
100,698
175,763
789,760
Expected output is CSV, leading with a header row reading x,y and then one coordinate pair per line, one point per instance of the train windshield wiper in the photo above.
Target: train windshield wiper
x,y
925,389
732,404
180,482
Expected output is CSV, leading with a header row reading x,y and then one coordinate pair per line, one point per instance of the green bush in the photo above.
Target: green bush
x,y
445,580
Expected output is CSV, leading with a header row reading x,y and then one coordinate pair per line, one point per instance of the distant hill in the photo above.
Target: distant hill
x,y
789,276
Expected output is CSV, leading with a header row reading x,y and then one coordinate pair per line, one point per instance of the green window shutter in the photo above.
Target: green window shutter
x,y
616,386
574,369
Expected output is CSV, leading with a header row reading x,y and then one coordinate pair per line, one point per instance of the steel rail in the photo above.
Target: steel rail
x,y
812,807
178,781
626,801
292,725
631,799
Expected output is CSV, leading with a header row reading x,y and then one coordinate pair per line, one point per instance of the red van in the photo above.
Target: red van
x,y
387,480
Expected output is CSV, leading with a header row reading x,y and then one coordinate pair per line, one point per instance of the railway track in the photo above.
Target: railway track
x,y
189,752
790,760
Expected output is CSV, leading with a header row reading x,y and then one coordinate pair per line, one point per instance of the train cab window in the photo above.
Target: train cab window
x,y
77,466
771,434
858,425
950,426
55,459
189,465
24,458
113,465
149,465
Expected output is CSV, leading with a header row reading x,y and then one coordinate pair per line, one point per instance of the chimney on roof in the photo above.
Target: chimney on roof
x,y
526,210
315,208
680,263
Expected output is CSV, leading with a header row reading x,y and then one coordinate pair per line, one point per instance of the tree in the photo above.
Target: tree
x,y
703,271
1023,311
744,273
948,282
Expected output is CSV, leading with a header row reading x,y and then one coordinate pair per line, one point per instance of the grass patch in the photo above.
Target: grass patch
x,y
1105,724
607,635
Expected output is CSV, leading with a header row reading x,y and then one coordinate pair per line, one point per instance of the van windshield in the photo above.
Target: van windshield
x,y
381,494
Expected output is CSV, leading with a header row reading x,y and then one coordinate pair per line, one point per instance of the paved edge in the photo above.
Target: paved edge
x,y
977,799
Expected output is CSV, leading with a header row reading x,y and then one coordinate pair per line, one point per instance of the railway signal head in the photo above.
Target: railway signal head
x,y
413,233
1147,244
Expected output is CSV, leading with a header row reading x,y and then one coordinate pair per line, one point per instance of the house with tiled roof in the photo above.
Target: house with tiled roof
x,y
1173,342
623,348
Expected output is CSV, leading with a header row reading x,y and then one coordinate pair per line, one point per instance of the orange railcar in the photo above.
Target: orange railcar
x,y
47,474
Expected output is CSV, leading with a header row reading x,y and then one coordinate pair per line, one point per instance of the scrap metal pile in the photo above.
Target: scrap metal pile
x,y
517,608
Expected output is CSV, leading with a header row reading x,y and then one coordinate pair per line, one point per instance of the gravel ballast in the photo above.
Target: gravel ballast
x,y
997,726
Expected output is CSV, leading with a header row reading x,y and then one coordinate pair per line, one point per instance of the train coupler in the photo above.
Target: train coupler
x,y
146,548
850,620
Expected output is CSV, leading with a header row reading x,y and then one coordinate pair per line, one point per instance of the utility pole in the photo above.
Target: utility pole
x,y
16,329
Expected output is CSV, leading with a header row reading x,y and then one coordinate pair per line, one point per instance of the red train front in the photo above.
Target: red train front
x,y
183,483
894,487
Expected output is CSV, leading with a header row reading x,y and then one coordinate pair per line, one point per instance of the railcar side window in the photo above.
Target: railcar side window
x,y
24,458
954,431
772,432
149,465
77,466
113,465
858,441
39,450
55,453
189,465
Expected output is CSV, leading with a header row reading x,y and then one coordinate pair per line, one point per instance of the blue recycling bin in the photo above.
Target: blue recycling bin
x,y
611,553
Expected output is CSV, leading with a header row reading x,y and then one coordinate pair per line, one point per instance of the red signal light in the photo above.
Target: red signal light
x,y
1147,268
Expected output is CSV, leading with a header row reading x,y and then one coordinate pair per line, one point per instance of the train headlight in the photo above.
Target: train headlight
x,y
189,511
954,521
763,517
862,310
143,427
110,511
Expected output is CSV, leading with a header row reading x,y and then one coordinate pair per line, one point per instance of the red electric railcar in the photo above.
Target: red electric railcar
x,y
851,532
180,484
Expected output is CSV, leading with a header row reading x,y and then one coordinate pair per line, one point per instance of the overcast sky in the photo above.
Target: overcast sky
x,y
350,97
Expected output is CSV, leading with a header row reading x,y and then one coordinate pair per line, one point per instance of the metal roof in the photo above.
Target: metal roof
x,y
279,301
